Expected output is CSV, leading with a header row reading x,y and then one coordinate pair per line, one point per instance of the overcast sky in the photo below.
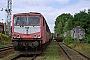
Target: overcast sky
x,y
49,8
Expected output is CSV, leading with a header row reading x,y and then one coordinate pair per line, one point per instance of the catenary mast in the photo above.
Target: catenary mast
x,y
8,21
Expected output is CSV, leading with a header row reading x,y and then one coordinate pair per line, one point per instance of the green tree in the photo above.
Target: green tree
x,y
65,22
60,22
82,19
88,23
59,28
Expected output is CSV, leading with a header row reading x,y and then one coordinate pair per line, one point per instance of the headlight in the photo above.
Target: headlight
x,y
18,36
14,36
35,36
39,36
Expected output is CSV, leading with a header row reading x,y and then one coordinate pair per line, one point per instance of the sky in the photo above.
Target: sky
x,y
50,9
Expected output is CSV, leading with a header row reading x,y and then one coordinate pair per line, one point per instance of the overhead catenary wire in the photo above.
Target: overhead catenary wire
x,y
32,5
1,8
2,5
39,4
29,4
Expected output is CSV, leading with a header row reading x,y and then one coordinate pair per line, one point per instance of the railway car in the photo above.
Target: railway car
x,y
30,33
1,27
78,33
59,39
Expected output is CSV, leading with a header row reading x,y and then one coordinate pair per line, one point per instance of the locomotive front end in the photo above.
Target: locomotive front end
x,y
26,33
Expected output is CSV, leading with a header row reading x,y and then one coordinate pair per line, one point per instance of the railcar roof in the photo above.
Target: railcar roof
x,y
78,27
1,23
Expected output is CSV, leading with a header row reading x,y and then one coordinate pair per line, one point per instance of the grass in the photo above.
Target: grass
x,y
8,56
51,53
8,43
81,47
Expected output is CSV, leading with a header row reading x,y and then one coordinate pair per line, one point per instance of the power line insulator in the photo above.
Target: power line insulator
x,y
2,9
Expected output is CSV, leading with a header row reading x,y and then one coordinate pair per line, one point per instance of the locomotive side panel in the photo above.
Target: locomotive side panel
x,y
46,32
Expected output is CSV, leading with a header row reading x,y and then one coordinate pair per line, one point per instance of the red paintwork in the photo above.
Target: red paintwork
x,y
1,27
43,25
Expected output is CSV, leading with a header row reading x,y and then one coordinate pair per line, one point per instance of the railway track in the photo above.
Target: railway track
x,y
72,54
23,57
5,50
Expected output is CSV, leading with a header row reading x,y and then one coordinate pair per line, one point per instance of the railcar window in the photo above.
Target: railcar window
x,y
82,31
77,31
33,20
1,29
20,20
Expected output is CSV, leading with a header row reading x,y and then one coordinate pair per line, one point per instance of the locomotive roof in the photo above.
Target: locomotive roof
x,y
31,13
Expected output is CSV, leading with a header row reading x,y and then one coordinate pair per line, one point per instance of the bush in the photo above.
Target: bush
x,y
87,39
4,39
68,39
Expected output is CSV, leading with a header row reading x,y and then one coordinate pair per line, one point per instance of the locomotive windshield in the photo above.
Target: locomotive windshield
x,y
26,20
20,20
33,20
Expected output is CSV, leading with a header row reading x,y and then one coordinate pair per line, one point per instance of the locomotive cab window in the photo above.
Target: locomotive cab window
x,y
20,20
26,20
33,20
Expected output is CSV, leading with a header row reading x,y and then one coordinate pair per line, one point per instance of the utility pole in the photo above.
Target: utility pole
x,y
8,21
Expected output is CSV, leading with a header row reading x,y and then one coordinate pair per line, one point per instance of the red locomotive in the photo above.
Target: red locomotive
x,y
30,32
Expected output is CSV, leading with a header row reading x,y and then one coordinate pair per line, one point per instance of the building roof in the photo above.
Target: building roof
x,y
78,28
